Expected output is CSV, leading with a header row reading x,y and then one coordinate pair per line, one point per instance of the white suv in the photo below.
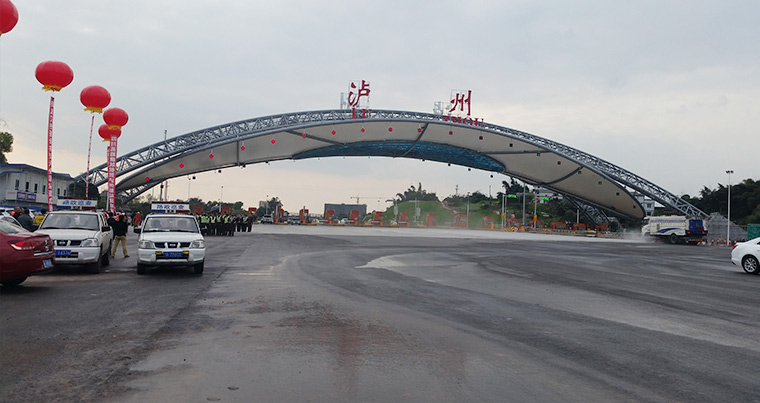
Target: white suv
x,y
80,237
170,240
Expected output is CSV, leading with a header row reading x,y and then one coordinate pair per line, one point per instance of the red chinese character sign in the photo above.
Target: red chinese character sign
x,y
115,118
94,98
458,109
358,97
459,100
53,76
8,16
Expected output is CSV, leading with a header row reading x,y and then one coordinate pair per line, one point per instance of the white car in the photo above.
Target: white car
x,y
747,255
80,237
5,216
170,240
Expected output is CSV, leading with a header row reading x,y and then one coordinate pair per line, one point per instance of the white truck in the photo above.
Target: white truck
x,y
80,237
675,229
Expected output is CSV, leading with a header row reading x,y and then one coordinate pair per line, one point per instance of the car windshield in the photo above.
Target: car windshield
x,y
170,224
8,227
71,221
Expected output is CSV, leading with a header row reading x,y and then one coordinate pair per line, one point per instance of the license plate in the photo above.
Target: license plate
x,y
172,255
63,253
47,263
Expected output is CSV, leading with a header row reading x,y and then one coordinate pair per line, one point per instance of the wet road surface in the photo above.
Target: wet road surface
x,y
375,314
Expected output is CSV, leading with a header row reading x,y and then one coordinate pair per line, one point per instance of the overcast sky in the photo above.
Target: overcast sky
x,y
666,89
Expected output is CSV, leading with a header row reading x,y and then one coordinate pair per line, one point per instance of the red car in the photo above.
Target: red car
x,y
23,253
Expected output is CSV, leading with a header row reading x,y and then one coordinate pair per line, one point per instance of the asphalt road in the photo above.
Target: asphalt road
x,y
292,314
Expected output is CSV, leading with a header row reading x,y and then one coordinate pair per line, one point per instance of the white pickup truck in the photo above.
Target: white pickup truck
x,y
80,237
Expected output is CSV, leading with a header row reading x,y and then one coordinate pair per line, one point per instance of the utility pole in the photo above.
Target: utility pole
x,y
467,224
535,205
503,210
728,219
525,189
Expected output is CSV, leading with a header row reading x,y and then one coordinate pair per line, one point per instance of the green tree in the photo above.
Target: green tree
x,y
512,187
418,194
6,146
76,189
745,201
141,204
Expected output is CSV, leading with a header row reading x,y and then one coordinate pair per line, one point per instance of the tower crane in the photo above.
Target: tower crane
x,y
367,197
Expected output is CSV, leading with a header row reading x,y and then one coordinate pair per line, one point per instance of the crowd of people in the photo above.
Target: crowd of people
x,y
224,224
24,217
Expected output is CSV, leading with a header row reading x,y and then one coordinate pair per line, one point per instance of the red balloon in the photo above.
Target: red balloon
x,y
54,75
106,132
8,16
115,118
95,98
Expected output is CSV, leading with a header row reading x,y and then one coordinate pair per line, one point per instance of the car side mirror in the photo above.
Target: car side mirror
x,y
105,228
137,230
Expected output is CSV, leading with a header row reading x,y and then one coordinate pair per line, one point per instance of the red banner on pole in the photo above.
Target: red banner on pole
x,y
50,156
112,173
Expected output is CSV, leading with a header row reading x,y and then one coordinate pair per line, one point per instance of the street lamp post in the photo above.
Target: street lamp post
x,y
395,209
525,189
503,210
728,218
467,224
189,179
535,206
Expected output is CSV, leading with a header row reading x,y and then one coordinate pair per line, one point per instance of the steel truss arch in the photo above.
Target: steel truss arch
x,y
317,126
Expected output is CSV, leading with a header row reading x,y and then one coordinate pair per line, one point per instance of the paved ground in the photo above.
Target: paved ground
x,y
377,314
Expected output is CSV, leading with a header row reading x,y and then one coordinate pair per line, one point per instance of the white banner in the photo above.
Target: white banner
x,y
77,203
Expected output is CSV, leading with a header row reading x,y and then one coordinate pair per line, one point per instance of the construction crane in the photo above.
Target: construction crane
x,y
367,197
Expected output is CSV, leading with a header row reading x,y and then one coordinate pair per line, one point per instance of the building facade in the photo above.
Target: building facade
x,y
26,186
344,210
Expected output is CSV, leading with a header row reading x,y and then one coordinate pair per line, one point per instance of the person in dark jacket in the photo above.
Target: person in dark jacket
x,y
249,222
120,228
26,220
111,220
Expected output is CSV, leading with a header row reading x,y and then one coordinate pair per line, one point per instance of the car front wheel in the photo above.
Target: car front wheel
x,y
141,268
13,283
750,265
198,268
95,267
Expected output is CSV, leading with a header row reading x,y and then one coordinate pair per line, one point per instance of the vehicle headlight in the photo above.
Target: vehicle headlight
x,y
146,245
198,244
90,242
